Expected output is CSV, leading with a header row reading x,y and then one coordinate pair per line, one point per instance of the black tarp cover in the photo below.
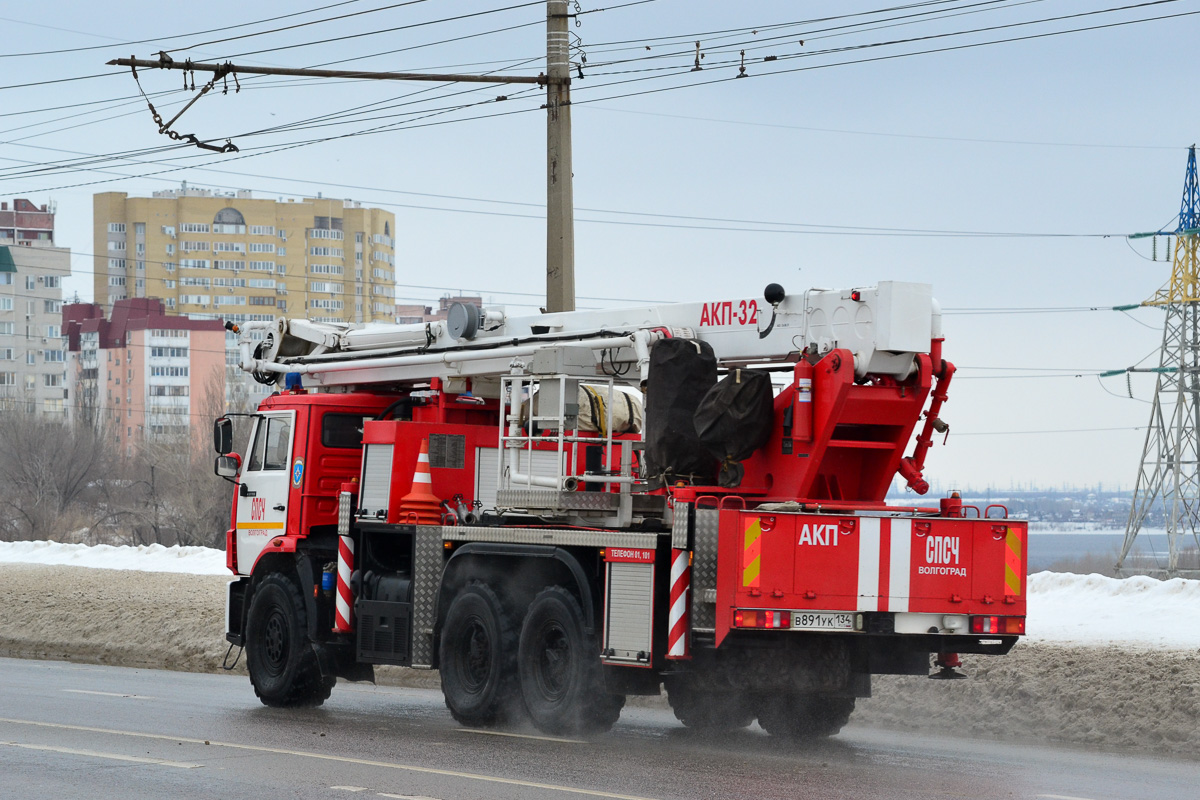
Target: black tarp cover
x,y
681,372
734,419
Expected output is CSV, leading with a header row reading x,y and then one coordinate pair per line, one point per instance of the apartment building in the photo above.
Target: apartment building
x,y
32,361
142,374
241,258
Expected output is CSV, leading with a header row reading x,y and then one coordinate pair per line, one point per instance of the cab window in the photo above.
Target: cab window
x,y
272,438
343,430
278,440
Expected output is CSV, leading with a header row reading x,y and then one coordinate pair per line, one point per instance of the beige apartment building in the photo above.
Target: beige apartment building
x,y
236,257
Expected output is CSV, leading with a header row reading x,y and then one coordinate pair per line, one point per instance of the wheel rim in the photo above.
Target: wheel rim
x,y
475,655
275,642
553,661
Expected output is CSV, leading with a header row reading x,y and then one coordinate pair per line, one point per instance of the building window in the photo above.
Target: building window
x,y
6,328
52,380
193,227
229,247
6,304
116,227
139,229
30,283
189,246
53,282
168,352
117,245
262,230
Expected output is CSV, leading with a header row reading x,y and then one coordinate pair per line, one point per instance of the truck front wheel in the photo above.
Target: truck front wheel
x,y
477,657
283,667
805,716
559,669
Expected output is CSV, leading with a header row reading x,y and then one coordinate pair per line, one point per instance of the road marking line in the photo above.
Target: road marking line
x,y
350,788
96,754
110,694
522,736
1060,797
326,757
407,796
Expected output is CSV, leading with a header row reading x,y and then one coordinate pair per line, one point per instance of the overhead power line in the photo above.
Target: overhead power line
x,y
159,39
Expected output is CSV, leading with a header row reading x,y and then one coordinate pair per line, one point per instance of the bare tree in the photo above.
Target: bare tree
x,y
48,469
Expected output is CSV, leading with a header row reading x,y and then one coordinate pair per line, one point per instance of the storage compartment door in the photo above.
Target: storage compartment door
x,y
628,607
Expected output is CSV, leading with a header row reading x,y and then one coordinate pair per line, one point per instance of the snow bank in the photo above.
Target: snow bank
x,y
1091,609
143,558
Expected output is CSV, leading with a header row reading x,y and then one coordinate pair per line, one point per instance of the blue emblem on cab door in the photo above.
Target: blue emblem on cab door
x,y
297,471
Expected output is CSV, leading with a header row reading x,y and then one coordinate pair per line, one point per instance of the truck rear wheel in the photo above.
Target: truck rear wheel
x,y
477,657
279,655
704,709
559,669
804,716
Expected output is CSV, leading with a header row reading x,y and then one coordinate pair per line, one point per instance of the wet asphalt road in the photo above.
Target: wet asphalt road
x,y
80,731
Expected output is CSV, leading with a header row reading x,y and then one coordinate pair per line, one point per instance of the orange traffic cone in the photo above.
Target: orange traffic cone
x,y
420,506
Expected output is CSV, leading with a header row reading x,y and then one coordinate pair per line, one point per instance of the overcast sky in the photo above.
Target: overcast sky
x,y
826,166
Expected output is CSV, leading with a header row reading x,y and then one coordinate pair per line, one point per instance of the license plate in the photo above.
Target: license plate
x,y
823,620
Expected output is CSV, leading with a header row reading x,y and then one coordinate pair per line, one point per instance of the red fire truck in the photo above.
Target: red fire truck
x,y
558,511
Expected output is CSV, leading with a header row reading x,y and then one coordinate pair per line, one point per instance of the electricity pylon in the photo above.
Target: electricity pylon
x,y
1170,468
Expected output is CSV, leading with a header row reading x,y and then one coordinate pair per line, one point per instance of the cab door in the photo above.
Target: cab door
x,y
263,495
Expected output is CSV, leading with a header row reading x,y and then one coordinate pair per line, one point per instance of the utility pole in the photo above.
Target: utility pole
x,y
560,204
1169,472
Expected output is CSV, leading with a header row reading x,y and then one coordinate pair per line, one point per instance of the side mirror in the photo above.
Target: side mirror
x,y
223,436
227,466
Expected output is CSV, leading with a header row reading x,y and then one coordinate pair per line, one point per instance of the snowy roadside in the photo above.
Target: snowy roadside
x,y
1064,609
1123,671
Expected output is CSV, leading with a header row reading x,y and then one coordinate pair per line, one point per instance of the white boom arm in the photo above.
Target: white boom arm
x,y
884,326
